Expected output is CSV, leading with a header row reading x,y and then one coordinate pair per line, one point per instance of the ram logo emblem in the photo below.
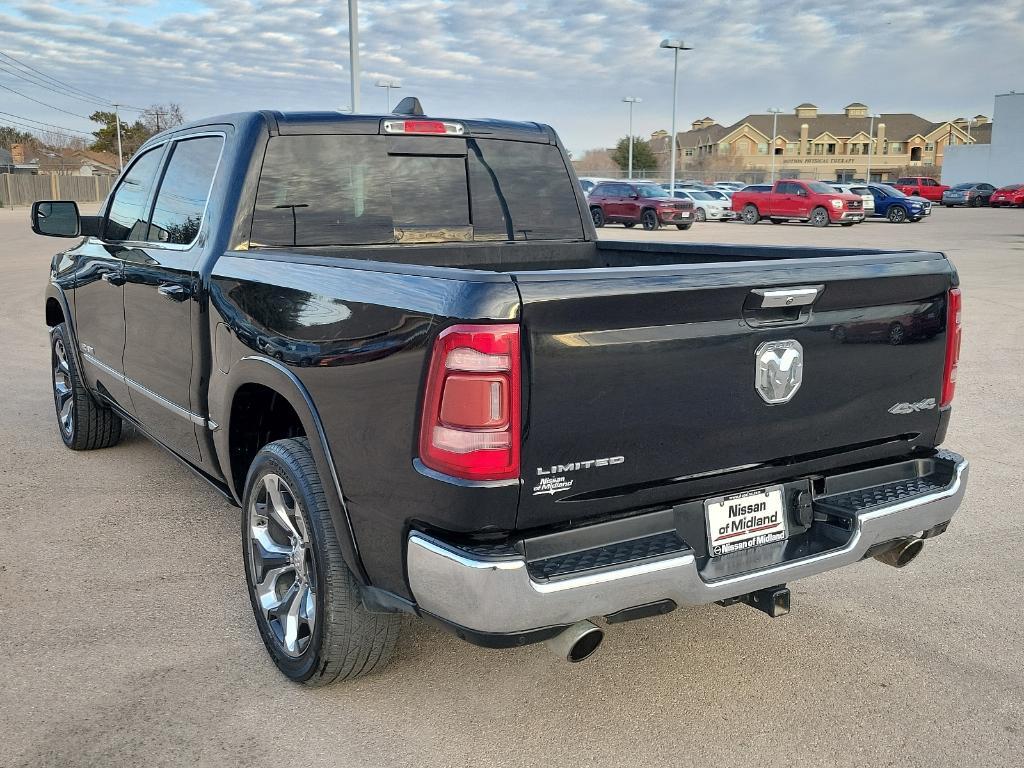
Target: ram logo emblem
x,y
779,370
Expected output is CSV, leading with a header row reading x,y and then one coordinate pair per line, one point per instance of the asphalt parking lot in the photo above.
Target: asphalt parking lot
x,y
128,638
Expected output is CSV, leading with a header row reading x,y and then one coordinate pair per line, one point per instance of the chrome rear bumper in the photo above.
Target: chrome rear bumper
x,y
488,594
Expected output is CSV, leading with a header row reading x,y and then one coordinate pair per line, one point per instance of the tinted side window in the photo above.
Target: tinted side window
x,y
128,216
184,190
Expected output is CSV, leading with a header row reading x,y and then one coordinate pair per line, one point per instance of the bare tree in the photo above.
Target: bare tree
x,y
160,117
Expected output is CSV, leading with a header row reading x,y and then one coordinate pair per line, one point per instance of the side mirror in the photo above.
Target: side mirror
x,y
634,196
56,218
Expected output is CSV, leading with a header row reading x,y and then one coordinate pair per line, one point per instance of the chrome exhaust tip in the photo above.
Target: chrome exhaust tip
x,y
576,643
902,552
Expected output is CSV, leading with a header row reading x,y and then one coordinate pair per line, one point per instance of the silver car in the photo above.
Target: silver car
x,y
706,207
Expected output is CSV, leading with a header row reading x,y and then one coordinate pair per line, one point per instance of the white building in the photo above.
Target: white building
x,y
1002,161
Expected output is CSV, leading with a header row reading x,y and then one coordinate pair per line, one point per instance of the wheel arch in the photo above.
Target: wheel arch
x,y
255,381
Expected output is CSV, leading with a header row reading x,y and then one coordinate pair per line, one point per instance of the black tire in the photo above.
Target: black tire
x,y
629,224
897,214
819,217
598,216
897,334
700,215
847,223
84,424
683,227
750,214
975,202
649,220
346,640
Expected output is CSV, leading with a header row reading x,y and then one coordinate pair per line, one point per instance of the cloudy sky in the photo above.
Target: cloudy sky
x,y
564,62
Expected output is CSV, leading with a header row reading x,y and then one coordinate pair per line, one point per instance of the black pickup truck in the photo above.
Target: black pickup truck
x,y
398,345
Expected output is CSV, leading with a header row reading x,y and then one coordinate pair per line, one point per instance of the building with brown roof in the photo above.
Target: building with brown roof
x,y
811,144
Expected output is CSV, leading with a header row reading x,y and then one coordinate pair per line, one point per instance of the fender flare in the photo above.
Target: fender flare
x,y
54,291
265,371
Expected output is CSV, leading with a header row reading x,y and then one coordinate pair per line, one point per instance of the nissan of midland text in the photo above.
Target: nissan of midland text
x,y
397,345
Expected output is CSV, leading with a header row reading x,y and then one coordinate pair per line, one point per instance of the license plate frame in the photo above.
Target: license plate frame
x,y
739,530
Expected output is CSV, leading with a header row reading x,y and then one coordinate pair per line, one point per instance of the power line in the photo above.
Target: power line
x,y
40,83
37,101
45,126
53,79
14,124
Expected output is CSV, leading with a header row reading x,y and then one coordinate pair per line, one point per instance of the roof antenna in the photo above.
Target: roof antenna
x,y
410,105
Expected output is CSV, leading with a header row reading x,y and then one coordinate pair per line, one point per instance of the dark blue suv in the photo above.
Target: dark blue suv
x,y
896,206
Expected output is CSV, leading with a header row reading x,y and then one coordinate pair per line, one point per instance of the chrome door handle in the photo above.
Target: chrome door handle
x,y
173,291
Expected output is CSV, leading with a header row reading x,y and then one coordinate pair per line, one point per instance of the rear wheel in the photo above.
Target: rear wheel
x,y
975,202
306,602
750,214
649,219
598,215
897,334
84,424
819,217
897,214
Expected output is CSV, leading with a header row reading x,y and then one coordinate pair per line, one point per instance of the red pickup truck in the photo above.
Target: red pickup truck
x,y
812,201
922,186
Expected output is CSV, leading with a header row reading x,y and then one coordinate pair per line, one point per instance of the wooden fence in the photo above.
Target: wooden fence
x,y
24,188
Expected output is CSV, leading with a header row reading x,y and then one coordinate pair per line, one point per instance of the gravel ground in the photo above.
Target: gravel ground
x,y
129,639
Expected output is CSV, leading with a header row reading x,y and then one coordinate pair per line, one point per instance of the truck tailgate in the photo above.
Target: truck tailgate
x,y
646,376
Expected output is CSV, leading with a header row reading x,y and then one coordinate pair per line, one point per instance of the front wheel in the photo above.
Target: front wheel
x,y
84,424
306,602
598,216
976,202
819,217
750,214
649,219
700,215
897,215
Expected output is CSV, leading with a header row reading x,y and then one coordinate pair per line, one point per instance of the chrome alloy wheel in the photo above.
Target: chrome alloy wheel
x,y
63,393
281,564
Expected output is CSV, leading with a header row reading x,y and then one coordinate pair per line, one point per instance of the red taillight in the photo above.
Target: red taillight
x,y
470,426
954,330
431,127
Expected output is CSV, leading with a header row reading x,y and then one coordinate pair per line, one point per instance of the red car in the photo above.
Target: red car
x,y
922,186
1012,195
812,201
632,203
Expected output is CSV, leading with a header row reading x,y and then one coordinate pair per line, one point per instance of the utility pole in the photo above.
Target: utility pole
x,y
353,51
631,100
120,155
775,135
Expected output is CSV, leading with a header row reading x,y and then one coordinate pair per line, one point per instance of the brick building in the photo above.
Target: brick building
x,y
811,144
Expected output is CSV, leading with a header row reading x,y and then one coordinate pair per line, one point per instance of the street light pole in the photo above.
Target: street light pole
x,y
631,100
388,84
775,135
120,154
676,46
871,147
353,51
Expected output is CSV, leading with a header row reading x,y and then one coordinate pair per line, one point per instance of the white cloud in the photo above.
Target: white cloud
x,y
566,62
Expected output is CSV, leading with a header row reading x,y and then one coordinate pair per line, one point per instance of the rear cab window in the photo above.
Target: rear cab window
x,y
333,190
